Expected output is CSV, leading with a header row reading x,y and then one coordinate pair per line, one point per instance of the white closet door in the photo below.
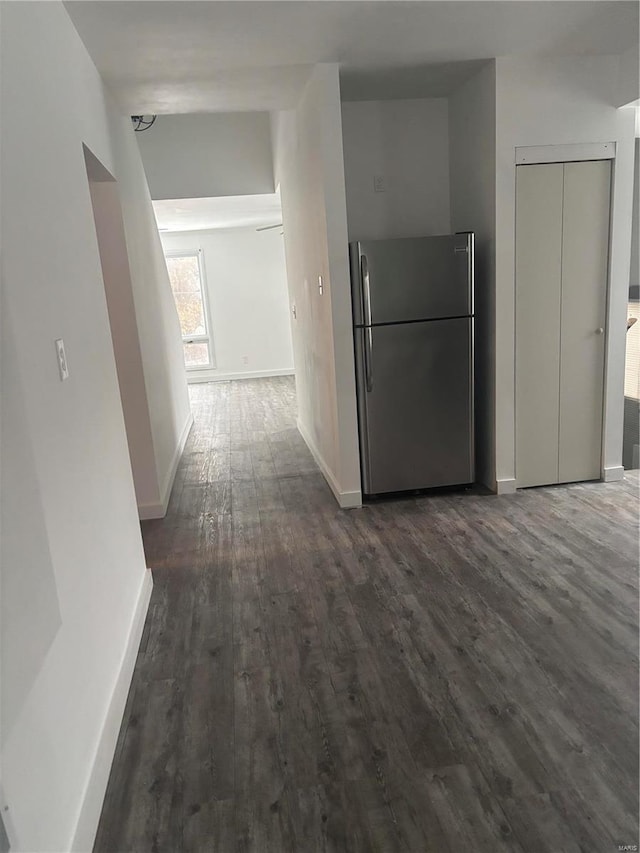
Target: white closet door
x,y
538,290
585,257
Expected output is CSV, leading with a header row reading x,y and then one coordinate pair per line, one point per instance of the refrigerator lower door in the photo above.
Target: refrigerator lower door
x,y
415,400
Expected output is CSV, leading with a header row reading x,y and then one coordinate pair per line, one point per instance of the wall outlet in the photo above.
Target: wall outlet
x,y
320,285
63,369
294,312
379,184
245,359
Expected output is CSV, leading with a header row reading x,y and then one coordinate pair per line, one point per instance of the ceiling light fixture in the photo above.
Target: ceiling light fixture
x,y
141,123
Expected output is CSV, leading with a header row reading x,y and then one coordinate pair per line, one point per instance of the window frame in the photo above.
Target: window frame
x,y
197,339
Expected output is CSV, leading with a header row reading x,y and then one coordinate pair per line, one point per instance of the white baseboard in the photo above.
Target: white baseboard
x,y
151,510
613,474
171,473
89,816
346,500
214,376
159,510
505,487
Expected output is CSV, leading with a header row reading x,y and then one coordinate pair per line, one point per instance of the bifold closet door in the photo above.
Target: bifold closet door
x,y
562,236
538,279
585,261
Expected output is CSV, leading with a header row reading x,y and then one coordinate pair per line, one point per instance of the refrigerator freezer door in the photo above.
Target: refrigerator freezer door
x,y
416,422
412,278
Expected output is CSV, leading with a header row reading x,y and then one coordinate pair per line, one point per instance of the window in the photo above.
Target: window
x,y
187,283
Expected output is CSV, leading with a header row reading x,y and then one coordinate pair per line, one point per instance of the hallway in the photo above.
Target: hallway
x,y
433,674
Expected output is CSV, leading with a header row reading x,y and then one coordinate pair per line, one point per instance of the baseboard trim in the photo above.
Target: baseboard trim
x,y
350,500
613,474
505,487
149,511
96,787
346,500
171,473
212,376
159,510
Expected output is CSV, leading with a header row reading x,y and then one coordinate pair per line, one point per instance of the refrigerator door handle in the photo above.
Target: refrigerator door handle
x,y
368,341
366,288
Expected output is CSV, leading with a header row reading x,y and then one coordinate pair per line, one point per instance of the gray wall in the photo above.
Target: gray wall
x,y
208,155
406,143
472,160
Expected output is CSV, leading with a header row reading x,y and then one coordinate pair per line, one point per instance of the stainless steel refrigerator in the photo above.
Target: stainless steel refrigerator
x,y
414,345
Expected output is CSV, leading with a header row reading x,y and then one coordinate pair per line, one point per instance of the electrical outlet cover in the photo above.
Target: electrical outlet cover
x,y
63,368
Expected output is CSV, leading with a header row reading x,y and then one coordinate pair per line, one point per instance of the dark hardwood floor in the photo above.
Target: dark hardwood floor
x,y
454,672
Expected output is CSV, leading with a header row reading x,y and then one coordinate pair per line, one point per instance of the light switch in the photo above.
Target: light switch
x,y
62,360
379,184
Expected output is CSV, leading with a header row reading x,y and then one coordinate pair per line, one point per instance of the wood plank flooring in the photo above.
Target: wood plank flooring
x,y
452,672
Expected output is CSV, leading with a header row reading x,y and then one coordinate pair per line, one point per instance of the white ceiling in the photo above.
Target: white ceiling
x,y
199,214
171,57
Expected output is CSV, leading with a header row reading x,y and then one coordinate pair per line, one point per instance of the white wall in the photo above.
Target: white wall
x,y
156,317
309,167
627,87
74,583
248,300
560,101
116,275
405,142
472,147
207,155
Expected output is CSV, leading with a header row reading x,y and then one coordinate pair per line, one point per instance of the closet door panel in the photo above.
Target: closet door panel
x,y
538,276
585,255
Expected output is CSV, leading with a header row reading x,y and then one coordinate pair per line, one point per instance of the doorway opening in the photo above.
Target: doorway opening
x,y
226,264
